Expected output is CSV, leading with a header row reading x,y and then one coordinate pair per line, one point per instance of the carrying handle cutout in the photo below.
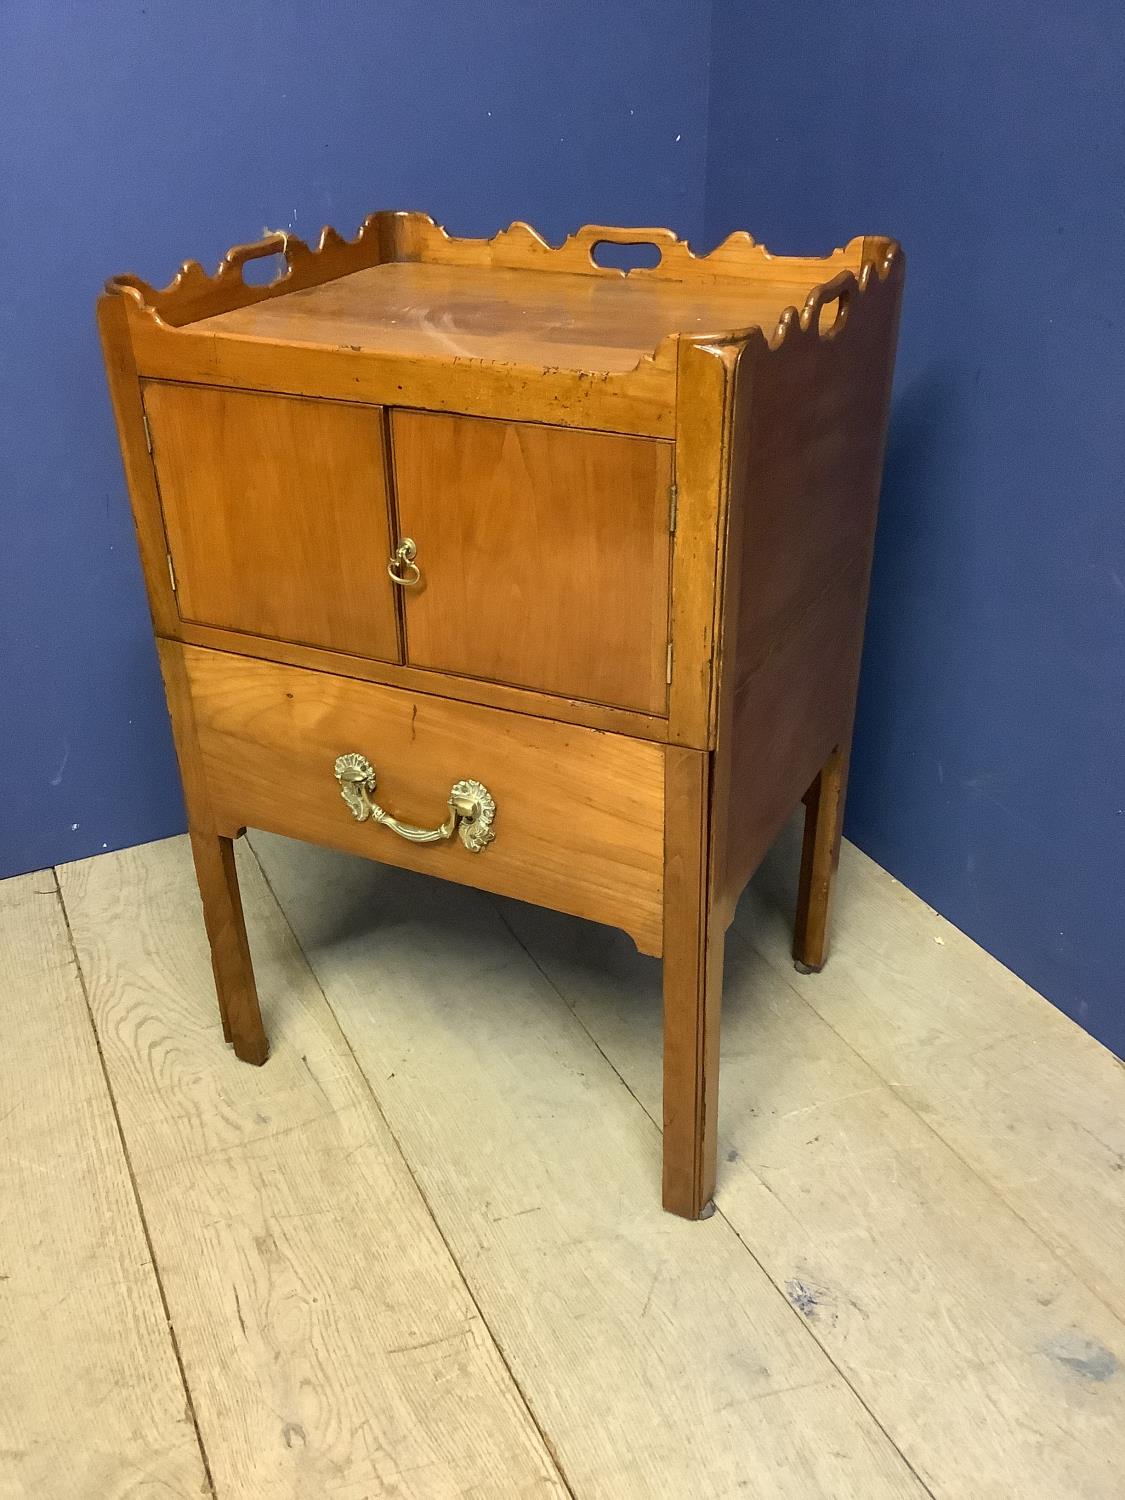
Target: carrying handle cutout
x,y
611,248
827,306
263,262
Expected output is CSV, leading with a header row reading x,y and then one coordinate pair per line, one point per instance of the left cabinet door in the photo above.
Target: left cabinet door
x,y
275,509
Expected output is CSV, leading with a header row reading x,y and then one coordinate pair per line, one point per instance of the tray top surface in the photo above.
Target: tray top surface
x,y
520,317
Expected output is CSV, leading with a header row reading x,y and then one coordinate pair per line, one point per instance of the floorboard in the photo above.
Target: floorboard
x,y
1030,1100
328,1339
984,1355
656,1355
91,1399
420,1253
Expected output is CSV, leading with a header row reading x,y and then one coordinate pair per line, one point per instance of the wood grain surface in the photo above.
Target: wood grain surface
x,y
91,1398
1031,1101
920,1186
983,1350
406,314
391,237
276,514
806,460
579,815
440,684
571,321
544,556
654,1352
693,985
328,1339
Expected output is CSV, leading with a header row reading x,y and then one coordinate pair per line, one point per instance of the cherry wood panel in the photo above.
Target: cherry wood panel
x,y
115,327
570,321
390,237
544,555
739,256
640,401
436,684
276,515
579,814
693,987
810,421
409,315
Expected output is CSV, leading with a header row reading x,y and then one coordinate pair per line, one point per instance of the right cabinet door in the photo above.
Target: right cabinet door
x,y
543,554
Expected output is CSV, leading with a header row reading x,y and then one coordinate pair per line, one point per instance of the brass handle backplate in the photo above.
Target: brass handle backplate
x,y
402,568
471,807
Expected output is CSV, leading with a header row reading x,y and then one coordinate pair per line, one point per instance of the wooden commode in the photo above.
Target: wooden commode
x,y
494,561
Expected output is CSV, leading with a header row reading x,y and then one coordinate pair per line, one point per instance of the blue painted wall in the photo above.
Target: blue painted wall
x,y
989,770
135,135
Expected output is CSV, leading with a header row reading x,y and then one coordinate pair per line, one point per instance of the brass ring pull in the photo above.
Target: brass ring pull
x,y
471,807
405,553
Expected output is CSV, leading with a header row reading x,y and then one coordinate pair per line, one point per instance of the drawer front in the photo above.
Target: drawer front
x,y
578,813
543,552
276,516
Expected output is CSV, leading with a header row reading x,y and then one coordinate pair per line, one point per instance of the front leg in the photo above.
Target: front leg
x,y
216,874
693,979
230,951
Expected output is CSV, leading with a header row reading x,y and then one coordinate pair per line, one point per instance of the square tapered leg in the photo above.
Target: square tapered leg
x,y
230,951
693,978
820,858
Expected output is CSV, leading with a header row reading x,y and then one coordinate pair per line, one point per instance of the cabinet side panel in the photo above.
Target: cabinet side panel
x,y
128,410
809,429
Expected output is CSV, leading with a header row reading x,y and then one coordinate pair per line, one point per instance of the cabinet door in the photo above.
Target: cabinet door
x,y
275,509
543,553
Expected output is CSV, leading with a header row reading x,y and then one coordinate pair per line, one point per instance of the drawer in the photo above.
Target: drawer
x,y
579,813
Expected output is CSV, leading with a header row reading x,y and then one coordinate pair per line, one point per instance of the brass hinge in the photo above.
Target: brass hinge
x,y
668,672
148,431
673,502
171,572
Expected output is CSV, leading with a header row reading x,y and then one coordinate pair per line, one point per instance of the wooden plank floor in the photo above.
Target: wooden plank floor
x,y
91,1397
420,1253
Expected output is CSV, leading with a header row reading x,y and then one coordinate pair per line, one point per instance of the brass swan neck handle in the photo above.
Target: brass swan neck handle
x,y
471,807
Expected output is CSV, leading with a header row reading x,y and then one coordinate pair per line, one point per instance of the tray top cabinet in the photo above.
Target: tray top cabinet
x,y
484,558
